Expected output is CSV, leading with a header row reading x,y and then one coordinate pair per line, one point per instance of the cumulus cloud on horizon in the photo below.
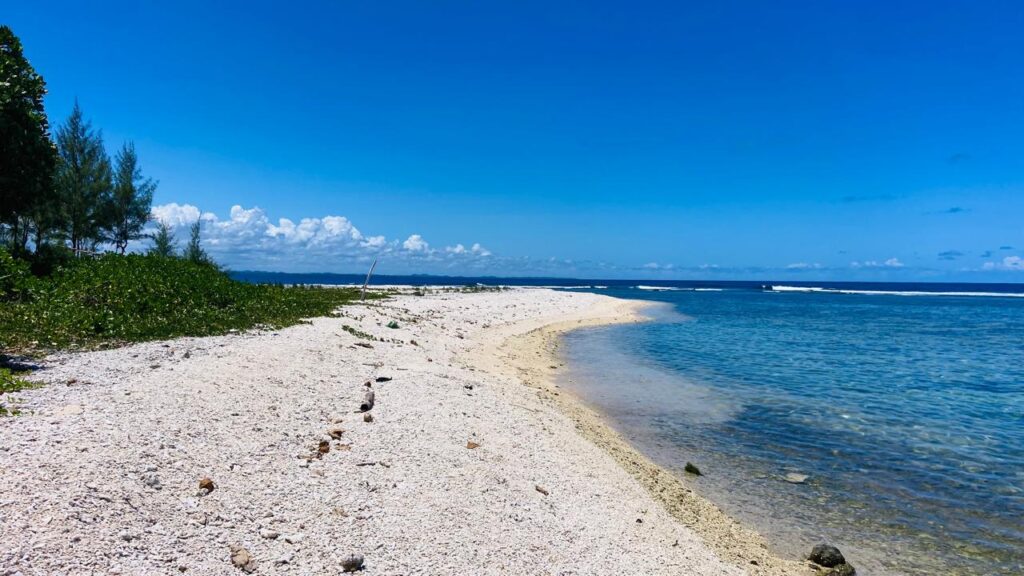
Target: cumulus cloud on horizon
x,y
890,263
1014,263
248,238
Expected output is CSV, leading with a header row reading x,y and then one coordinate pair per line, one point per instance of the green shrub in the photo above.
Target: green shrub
x,y
16,280
50,257
10,382
117,299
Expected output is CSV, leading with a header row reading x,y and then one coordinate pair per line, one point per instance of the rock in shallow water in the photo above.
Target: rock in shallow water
x,y
826,555
842,570
692,469
794,478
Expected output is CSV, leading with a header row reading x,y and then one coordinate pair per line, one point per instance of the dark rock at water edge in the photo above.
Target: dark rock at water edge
x,y
692,469
842,570
826,555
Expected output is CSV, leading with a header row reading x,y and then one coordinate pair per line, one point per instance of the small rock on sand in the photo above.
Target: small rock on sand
x,y
207,484
269,534
242,559
352,562
472,445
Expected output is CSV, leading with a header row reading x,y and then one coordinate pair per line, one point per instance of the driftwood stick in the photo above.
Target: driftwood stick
x,y
368,274
367,404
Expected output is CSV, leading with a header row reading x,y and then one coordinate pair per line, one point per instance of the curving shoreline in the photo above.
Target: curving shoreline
x,y
462,468
530,352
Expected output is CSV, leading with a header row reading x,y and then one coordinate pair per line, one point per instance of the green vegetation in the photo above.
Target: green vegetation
x,y
114,299
163,242
393,325
62,194
357,333
62,203
10,382
27,156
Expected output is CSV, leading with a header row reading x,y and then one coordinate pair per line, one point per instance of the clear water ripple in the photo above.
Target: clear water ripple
x,y
907,413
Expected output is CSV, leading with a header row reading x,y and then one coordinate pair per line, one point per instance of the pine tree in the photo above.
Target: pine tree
x,y
129,205
83,182
27,156
163,242
194,251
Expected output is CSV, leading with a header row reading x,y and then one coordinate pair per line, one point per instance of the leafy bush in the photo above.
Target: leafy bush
x,y
117,299
49,257
16,280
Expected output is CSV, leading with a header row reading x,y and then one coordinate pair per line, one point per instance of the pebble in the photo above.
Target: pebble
x,y
153,481
794,478
352,562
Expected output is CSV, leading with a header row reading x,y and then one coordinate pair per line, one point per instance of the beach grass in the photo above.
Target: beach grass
x,y
113,300
11,382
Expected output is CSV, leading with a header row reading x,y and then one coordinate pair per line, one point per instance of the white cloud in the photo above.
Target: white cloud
x,y
248,238
416,243
175,214
1015,263
890,263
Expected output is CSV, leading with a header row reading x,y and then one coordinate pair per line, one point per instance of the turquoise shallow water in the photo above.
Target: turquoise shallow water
x,y
906,412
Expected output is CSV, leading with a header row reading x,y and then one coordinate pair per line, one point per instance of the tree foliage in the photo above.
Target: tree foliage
x,y
26,152
194,250
62,191
83,182
129,205
163,242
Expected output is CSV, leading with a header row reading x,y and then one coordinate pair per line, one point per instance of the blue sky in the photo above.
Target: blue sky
x,y
805,140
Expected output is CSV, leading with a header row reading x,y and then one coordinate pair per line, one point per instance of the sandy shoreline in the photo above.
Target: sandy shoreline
x,y
533,357
102,473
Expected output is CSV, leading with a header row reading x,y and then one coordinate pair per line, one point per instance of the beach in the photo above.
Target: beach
x,y
474,460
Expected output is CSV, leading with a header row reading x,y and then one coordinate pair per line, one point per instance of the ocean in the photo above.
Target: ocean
x,y
899,407
902,405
